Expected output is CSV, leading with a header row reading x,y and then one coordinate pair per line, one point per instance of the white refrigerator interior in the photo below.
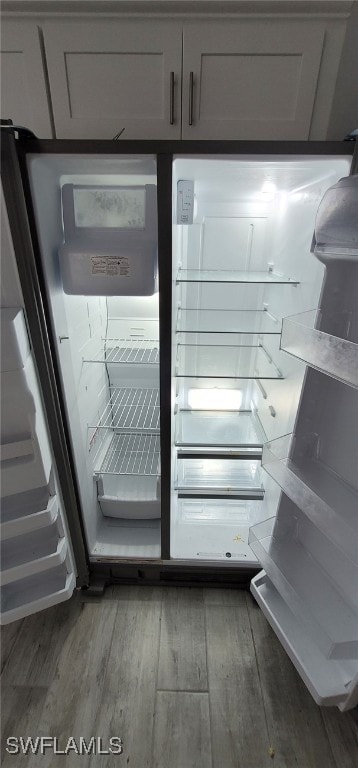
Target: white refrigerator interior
x,y
37,568
95,225
242,234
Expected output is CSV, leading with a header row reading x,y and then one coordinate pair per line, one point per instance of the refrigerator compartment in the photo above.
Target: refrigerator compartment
x,y
337,357
215,530
225,362
227,321
131,410
232,276
127,352
14,348
326,679
131,454
222,476
32,553
130,497
35,593
323,497
17,521
306,588
219,428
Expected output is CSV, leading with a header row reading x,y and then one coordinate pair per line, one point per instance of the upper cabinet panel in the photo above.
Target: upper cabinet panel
x,y
108,77
23,87
250,79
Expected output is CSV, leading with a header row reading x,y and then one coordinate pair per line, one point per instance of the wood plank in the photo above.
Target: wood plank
x,y
182,731
182,655
20,715
127,704
294,721
238,724
39,644
342,733
9,635
219,596
74,697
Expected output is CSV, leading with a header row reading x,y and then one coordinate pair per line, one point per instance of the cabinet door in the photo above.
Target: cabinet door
x,y
250,79
23,86
108,77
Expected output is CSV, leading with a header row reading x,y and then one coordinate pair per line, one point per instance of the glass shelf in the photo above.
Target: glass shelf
x,y
219,476
305,587
127,351
334,356
329,502
225,362
134,410
227,321
219,428
131,454
226,276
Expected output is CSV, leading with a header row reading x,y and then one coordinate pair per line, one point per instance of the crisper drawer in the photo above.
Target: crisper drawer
x,y
219,476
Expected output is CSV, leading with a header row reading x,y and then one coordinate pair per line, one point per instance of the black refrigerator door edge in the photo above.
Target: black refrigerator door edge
x,y
18,204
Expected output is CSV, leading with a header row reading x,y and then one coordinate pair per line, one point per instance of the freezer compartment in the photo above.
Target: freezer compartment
x,y
35,593
233,276
228,361
219,476
327,680
327,500
129,497
219,428
214,529
248,321
337,357
307,589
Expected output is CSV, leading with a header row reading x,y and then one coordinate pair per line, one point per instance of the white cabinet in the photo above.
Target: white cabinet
x,y
23,85
250,79
105,77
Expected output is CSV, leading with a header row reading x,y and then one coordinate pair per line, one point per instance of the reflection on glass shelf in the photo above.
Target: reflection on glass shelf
x,y
227,321
225,362
219,475
329,502
226,276
334,356
306,589
219,428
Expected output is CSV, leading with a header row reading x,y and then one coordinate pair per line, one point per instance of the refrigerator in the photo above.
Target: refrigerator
x,y
180,380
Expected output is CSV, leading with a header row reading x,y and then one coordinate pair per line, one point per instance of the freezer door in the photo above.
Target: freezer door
x,y
41,559
309,551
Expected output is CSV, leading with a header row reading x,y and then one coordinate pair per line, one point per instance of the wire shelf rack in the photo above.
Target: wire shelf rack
x,y
131,454
134,410
141,352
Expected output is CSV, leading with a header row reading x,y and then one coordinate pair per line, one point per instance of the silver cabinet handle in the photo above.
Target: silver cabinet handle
x,y
191,97
171,103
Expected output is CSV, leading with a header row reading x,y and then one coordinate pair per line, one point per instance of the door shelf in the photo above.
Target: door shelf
x,y
132,410
223,429
227,321
35,593
131,454
226,276
30,556
225,362
326,679
127,351
219,476
305,587
337,357
329,502
26,520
